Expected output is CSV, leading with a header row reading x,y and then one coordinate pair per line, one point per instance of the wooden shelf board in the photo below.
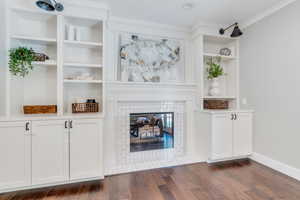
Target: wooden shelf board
x,y
84,44
83,65
82,81
39,40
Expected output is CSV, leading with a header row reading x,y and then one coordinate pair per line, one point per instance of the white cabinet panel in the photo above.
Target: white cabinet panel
x,y
85,151
221,137
49,152
14,154
242,135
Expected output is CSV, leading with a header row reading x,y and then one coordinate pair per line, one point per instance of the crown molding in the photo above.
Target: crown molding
x,y
87,4
147,24
266,13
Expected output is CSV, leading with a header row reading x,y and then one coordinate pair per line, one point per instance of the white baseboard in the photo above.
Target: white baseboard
x,y
276,165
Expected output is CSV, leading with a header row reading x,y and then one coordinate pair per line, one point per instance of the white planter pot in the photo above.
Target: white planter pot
x,y
214,87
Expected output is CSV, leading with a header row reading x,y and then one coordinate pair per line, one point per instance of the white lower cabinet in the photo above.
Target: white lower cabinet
x,y
49,152
85,152
231,135
15,154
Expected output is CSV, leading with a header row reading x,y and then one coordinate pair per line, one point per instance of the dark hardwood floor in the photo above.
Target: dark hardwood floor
x,y
241,180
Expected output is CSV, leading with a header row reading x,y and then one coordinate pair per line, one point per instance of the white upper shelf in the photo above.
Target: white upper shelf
x,y
84,44
219,97
221,56
87,65
38,40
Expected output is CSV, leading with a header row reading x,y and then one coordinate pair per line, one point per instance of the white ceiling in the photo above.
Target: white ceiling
x,y
205,11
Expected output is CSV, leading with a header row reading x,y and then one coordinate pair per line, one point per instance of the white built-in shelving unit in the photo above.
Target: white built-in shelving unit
x,y
228,83
55,82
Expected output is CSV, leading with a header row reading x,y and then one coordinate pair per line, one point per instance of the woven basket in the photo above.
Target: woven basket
x,y
216,104
85,107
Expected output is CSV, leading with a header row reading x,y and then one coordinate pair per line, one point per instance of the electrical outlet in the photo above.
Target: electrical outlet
x,y
244,101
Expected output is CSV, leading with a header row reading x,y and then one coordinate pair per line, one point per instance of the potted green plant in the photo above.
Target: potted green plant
x,y
20,61
214,71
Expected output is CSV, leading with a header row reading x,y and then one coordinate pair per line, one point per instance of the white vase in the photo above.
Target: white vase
x,y
124,76
78,33
214,87
71,33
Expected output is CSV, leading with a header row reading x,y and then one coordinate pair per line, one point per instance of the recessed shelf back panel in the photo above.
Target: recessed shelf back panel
x,y
90,30
38,88
82,55
33,24
75,91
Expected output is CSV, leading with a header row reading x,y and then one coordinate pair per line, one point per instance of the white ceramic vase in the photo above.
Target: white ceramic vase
x,y
124,76
214,87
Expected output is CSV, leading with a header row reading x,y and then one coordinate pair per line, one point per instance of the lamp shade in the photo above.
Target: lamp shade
x,y
47,5
236,32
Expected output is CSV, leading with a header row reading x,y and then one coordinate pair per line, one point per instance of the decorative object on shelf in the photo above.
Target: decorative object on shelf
x,y
50,5
85,107
124,75
214,72
78,33
81,76
70,32
225,52
34,109
41,57
20,61
148,59
216,104
236,31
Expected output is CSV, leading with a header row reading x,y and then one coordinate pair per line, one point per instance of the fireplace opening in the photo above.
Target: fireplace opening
x,y
151,131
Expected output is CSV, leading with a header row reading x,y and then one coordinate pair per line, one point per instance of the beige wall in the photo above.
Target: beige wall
x,y
270,80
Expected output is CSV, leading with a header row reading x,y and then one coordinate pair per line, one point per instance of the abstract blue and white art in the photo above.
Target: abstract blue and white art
x,y
150,60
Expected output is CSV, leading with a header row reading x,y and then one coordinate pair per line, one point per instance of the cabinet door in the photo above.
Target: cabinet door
x,y
14,154
221,140
49,152
242,135
85,149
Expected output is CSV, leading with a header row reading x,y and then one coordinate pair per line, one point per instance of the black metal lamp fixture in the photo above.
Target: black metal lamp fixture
x,y
236,31
50,5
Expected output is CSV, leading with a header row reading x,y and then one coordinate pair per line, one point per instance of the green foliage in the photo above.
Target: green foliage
x,y
20,61
214,70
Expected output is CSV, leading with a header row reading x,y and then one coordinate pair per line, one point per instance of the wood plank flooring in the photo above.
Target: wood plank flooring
x,y
240,180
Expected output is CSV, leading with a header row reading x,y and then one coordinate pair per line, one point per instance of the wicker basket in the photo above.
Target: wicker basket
x,y
85,107
216,104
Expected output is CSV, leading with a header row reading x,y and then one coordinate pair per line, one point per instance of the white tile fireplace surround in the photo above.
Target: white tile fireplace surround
x,y
127,161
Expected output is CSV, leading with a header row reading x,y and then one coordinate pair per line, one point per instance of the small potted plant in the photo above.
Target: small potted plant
x,y
21,58
20,61
214,71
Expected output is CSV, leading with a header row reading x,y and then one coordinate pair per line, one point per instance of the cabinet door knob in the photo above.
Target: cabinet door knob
x,y
27,126
66,124
232,116
71,124
235,116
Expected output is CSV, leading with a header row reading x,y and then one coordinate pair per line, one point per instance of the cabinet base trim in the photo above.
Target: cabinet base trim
x,y
50,185
227,159
276,165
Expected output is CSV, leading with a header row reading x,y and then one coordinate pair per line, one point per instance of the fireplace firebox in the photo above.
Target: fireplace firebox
x,y
151,131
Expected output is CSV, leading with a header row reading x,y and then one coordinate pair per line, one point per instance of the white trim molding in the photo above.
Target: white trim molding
x,y
276,165
266,13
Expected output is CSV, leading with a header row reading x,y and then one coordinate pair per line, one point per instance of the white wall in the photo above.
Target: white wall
x,y
2,58
270,80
